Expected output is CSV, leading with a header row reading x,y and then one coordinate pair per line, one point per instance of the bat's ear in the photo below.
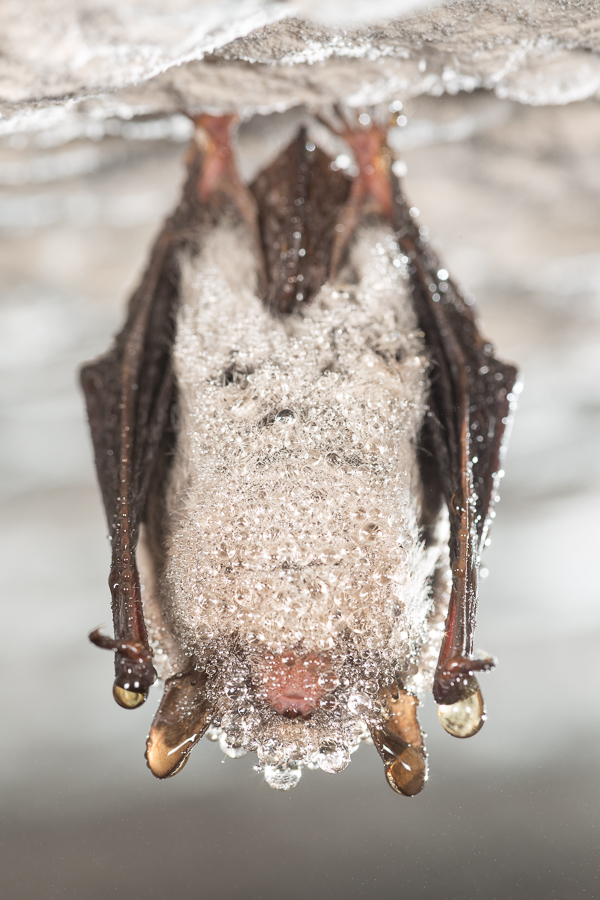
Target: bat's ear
x,y
297,235
399,742
182,718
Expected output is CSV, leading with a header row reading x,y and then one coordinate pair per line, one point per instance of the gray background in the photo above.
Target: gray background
x,y
511,197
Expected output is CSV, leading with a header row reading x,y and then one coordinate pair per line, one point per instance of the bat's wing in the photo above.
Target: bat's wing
x,y
130,392
469,404
469,409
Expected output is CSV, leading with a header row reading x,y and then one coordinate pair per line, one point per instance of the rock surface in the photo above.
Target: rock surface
x,y
92,59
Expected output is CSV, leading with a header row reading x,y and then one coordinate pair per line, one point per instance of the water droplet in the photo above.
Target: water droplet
x,y
464,718
281,778
235,691
271,754
328,681
333,757
368,531
408,773
399,575
285,416
329,701
359,703
233,751
343,161
128,699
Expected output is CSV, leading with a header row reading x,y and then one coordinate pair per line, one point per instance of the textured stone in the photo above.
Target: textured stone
x,y
64,59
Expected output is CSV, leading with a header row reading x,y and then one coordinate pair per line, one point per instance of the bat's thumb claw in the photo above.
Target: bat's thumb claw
x,y
133,669
456,691
132,649
483,662
454,678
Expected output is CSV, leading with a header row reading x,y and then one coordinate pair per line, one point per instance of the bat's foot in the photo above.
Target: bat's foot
x,y
218,178
372,190
182,718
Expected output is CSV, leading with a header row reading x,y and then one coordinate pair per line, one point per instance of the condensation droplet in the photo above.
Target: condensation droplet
x,y
328,681
235,691
333,758
128,699
281,778
233,751
359,703
329,701
408,773
464,718
285,415
368,531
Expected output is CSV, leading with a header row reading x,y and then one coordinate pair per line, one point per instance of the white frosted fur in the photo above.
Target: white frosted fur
x,y
300,531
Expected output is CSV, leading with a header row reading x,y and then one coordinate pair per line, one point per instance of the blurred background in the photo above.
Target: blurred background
x,y
511,196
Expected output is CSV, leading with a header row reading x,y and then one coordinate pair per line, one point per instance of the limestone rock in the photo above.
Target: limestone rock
x,y
68,60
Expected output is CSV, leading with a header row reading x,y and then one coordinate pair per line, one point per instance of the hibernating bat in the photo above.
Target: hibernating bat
x,y
298,436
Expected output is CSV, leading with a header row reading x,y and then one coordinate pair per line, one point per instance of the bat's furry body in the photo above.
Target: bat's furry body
x,y
297,391
293,503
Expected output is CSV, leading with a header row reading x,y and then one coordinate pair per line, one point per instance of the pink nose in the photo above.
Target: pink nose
x,y
293,685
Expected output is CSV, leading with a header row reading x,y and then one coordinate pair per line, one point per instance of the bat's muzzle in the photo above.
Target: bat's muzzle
x,y
293,683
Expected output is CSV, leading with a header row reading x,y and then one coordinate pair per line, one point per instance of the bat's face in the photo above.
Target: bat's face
x,y
296,571
302,415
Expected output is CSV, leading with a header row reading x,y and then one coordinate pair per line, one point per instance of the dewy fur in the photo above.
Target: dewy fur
x,y
293,501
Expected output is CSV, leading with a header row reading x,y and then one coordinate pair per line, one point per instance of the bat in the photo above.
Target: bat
x,y
298,436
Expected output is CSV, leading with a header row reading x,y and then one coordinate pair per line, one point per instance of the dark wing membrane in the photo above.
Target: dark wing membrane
x,y
129,394
136,374
299,198
469,407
